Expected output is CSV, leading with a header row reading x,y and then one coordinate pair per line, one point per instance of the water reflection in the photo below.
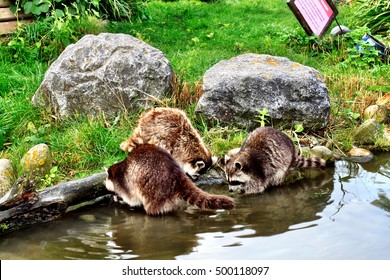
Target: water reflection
x,y
342,212
276,211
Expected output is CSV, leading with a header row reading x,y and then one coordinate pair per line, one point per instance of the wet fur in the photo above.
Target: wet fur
x,y
264,160
170,129
150,177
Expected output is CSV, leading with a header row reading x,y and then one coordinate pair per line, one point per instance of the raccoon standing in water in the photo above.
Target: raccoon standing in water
x,y
151,177
263,160
171,130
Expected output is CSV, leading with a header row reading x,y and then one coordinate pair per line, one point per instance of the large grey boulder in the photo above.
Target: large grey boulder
x,y
235,89
107,73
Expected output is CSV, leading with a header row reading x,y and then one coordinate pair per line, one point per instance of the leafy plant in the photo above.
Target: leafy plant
x,y
123,9
375,14
50,178
46,38
381,89
360,53
351,116
312,44
3,226
105,9
262,116
298,128
37,133
36,7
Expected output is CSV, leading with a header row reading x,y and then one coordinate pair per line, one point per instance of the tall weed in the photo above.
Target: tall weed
x,y
375,14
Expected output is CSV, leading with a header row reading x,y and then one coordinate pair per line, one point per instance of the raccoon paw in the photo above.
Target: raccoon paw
x,y
127,146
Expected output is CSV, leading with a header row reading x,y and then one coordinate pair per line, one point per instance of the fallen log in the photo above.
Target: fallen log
x,y
31,207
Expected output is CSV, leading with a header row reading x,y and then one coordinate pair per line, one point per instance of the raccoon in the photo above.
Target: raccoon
x,y
171,129
150,177
263,160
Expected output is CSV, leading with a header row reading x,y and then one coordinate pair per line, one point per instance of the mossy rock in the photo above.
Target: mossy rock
x,y
378,112
37,161
7,176
368,133
322,152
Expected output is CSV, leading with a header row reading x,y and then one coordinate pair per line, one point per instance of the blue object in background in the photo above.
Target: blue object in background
x,y
382,49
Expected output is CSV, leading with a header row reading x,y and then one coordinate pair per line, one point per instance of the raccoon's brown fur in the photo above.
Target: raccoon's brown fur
x,y
171,130
150,177
263,160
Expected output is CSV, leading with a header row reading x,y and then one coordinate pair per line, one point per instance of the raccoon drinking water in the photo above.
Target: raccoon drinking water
x,y
264,160
150,177
171,130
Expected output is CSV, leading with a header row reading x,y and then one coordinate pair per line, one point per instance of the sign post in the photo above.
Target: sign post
x,y
315,16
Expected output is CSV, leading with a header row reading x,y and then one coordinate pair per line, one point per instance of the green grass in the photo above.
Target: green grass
x,y
194,36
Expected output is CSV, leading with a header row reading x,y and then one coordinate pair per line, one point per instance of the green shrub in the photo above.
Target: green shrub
x,y
105,9
360,53
375,14
46,38
123,9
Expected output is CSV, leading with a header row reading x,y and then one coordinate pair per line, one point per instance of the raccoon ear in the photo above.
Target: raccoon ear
x,y
225,159
238,165
200,164
230,154
233,152
213,160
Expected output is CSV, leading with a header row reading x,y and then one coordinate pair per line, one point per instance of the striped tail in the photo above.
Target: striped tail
x,y
203,200
312,162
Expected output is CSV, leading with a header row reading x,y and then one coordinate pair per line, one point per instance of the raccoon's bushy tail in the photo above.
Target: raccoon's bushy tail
x,y
203,200
312,162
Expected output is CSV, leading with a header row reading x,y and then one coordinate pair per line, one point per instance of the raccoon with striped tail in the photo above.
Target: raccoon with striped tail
x,y
264,160
170,129
150,177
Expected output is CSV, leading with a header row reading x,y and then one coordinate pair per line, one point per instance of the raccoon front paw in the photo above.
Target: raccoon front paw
x,y
131,143
225,202
127,146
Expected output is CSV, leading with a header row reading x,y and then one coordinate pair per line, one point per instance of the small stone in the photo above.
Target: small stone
x,y
359,152
378,112
7,176
322,152
368,132
339,30
360,155
37,161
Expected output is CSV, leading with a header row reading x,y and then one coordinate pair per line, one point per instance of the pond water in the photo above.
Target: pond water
x,y
340,213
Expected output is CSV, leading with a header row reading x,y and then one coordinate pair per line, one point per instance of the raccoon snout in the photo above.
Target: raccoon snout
x,y
241,191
